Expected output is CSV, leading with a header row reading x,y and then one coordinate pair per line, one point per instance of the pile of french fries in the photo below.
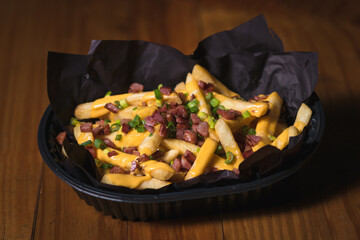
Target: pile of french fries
x,y
219,151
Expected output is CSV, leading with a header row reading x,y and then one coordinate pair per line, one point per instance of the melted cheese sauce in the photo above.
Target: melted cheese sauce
x,y
125,180
122,160
85,136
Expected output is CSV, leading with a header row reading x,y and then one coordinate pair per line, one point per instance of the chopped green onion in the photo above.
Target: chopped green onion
x,y
98,162
172,162
212,123
86,143
221,107
251,131
117,103
106,165
118,121
135,122
151,157
123,103
214,102
158,94
98,143
151,134
209,96
135,108
115,127
118,137
74,121
218,150
107,121
171,124
246,114
202,115
106,151
141,129
108,94
160,86
229,157
191,104
272,138
196,101
194,109
159,102
186,94
198,149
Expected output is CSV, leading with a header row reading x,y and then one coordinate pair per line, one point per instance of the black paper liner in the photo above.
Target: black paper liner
x,y
248,59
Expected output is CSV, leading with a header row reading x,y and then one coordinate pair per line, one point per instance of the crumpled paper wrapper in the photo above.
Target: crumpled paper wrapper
x,y
248,59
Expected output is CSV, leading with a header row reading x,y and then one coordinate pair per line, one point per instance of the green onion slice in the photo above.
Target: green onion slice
x,y
202,115
108,94
74,121
159,102
221,107
123,103
106,165
115,127
98,143
106,151
214,102
272,138
135,108
229,157
117,103
209,96
246,114
251,131
160,86
194,109
158,94
86,143
118,137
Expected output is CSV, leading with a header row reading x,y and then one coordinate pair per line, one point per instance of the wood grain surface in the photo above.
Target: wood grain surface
x,y
322,201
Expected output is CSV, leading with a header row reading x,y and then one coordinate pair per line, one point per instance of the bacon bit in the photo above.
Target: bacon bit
x,y
182,97
252,140
247,154
117,169
173,105
125,128
206,87
101,123
158,117
144,104
203,129
200,142
227,114
149,128
150,121
163,109
194,118
194,127
106,129
185,163
134,165
86,127
95,131
157,154
109,143
180,132
165,90
137,153
92,150
143,158
129,150
189,136
125,120
181,112
169,117
111,107
189,156
182,121
162,130
136,88
176,164
112,153
61,137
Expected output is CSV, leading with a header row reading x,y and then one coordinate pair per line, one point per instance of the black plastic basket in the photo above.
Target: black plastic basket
x,y
173,204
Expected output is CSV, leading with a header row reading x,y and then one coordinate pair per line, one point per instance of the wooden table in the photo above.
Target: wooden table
x,y
323,202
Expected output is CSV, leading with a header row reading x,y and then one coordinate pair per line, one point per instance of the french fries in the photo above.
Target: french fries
x,y
151,139
228,142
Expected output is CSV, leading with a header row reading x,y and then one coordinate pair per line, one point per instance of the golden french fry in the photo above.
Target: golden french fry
x,y
83,111
82,137
180,87
236,124
122,159
150,143
303,117
203,159
170,155
133,182
280,127
228,142
202,74
267,124
179,145
219,163
283,139
193,88
256,109
158,170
